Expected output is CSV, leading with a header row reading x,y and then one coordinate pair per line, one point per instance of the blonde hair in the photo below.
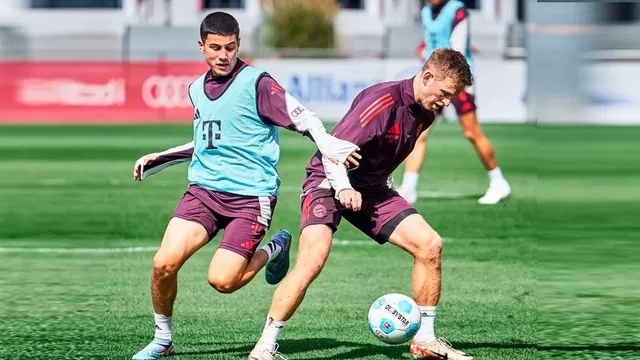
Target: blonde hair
x,y
448,63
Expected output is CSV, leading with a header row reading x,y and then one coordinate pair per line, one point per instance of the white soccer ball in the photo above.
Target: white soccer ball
x,y
394,318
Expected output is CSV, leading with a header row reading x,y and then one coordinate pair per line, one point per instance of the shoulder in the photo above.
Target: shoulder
x,y
197,86
375,101
425,12
254,72
458,9
456,4
265,84
386,92
461,13
200,79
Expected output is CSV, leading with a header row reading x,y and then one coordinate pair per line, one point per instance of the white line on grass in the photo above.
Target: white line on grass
x,y
283,189
142,249
78,250
421,194
441,195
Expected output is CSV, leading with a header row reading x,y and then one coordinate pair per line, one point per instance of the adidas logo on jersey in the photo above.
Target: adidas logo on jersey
x,y
393,134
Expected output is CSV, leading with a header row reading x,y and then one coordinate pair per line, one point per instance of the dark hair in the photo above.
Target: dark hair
x,y
219,23
446,63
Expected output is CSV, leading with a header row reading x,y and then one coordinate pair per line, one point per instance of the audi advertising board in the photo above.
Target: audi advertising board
x,y
97,91
157,91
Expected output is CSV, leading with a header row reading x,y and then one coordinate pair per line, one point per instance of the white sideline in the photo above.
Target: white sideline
x,y
141,249
283,189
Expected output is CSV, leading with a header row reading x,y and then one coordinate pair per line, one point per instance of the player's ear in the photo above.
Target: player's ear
x,y
426,77
201,46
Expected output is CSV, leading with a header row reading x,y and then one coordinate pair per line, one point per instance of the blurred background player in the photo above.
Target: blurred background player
x,y
445,23
385,121
233,180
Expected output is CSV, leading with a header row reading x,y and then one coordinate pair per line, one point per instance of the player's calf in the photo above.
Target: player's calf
x,y
227,269
164,268
314,248
475,136
234,266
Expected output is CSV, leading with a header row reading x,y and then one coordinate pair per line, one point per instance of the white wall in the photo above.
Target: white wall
x,y
327,87
72,22
7,5
183,13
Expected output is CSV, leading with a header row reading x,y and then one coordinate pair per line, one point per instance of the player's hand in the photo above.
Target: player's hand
x,y
352,160
139,165
350,199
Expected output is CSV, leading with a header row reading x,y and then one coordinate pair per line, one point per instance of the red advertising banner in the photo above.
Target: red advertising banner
x,y
97,91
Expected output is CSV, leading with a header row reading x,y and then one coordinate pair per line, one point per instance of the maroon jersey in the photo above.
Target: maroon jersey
x,y
271,102
385,122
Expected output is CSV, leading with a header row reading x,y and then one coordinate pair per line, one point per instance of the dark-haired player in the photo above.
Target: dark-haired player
x,y
445,24
384,121
233,181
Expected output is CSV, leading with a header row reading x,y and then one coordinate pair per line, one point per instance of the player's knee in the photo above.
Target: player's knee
x,y
421,142
429,247
315,246
164,267
308,271
474,134
222,284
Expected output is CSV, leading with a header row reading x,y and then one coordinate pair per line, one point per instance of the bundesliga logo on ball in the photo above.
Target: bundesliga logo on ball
x,y
394,318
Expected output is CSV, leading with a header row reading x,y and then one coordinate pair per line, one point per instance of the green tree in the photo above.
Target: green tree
x,y
301,24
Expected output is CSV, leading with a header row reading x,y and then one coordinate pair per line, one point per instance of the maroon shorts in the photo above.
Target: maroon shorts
x,y
378,218
245,219
464,103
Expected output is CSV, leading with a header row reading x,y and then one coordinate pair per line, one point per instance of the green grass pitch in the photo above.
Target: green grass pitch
x,y
551,273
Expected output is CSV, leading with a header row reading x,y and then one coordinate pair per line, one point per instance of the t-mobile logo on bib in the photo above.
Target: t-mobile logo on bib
x,y
210,132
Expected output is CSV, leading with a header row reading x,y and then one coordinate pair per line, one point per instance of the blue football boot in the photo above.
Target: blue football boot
x,y
277,268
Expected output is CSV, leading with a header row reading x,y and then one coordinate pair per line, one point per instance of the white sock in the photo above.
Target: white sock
x,y
496,175
271,332
163,327
410,180
272,249
427,327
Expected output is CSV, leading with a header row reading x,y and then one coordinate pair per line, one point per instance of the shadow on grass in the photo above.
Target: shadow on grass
x,y
604,347
355,350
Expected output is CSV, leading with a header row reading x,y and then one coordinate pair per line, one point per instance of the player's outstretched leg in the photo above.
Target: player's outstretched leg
x,y
238,260
182,239
499,188
415,236
412,165
315,245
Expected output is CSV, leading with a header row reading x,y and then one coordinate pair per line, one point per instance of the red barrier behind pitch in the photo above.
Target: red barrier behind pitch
x,y
97,91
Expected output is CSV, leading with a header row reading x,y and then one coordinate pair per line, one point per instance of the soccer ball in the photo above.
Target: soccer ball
x,y
394,318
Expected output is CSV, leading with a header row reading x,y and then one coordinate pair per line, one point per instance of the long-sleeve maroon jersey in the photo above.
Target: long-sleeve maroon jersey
x,y
385,122
275,107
